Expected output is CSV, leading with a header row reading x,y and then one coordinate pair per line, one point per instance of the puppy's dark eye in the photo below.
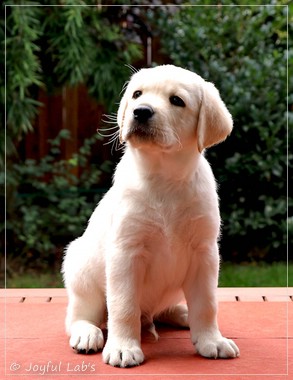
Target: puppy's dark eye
x,y
136,94
176,101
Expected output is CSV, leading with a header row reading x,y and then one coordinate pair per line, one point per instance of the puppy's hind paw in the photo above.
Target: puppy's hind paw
x,y
86,338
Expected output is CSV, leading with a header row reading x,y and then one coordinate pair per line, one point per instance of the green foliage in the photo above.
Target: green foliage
x,y
23,70
83,46
242,50
51,47
46,206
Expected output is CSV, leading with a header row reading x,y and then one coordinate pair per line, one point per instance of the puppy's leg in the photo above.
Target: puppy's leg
x,y
200,291
124,275
84,314
175,316
86,307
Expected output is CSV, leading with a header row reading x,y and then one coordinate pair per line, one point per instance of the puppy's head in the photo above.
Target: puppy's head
x,y
167,107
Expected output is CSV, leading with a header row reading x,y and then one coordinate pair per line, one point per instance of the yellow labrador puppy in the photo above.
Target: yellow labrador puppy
x,y
152,240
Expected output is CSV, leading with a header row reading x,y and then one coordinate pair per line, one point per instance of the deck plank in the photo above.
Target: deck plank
x,y
263,329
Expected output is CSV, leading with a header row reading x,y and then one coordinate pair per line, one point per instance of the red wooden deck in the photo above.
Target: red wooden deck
x,y
260,320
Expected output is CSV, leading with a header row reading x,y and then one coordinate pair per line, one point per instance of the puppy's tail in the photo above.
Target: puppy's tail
x,y
153,331
148,325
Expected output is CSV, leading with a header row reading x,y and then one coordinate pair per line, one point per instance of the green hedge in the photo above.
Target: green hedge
x,y
52,47
243,50
48,205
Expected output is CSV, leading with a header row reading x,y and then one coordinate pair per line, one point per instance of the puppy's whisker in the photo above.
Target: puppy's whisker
x,y
106,134
114,136
132,68
113,143
114,122
112,117
114,140
108,129
124,87
119,145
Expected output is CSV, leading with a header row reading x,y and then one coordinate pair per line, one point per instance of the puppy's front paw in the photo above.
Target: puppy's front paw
x,y
123,354
218,347
86,337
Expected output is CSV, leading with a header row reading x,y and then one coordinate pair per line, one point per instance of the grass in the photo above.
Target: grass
x,y
231,275
255,275
35,280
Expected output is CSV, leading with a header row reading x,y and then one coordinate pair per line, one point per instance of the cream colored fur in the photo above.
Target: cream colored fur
x,y
152,240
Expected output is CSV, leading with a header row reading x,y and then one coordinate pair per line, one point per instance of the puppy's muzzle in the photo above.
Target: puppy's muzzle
x,y
143,113
143,127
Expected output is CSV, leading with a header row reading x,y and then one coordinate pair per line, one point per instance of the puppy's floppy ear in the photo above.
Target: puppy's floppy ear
x,y
215,121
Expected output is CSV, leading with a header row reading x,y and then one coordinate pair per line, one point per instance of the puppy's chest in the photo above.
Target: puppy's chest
x,y
172,220
167,241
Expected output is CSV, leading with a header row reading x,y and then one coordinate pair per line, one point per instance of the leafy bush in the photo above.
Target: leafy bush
x,y
243,50
55,46
52,47
46,205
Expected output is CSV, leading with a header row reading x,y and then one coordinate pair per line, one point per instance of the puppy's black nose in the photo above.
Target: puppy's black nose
x,y
143,113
